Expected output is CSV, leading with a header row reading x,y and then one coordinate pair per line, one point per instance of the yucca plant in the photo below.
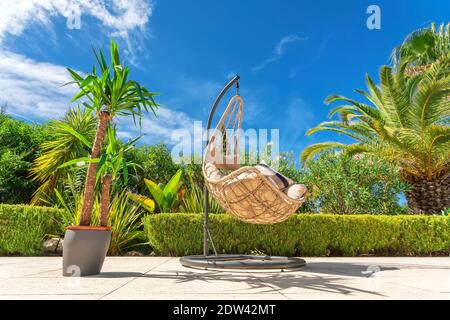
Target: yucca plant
x,y
72,139
109,94
110,166
404,123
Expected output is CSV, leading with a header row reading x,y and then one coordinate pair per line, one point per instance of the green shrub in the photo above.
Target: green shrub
x,y
23,228
302,234
341,184
19,145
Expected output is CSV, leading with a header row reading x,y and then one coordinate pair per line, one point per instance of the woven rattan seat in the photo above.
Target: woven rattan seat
x,y
243,191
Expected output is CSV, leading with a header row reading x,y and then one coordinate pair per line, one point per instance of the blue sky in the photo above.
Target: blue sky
x,y
290,55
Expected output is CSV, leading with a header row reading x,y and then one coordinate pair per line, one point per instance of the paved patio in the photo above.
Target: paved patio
x,y
165,278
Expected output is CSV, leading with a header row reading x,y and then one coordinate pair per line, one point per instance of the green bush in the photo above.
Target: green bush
x,y
341,184
19,145
302,235
23,228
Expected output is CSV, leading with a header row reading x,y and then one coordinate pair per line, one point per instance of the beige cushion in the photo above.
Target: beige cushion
x,y
296,191
212,172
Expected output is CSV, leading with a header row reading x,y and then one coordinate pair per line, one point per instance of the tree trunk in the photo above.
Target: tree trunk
x,y
104,204
428,197
89,188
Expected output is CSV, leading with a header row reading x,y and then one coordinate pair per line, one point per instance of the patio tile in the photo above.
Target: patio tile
x,y
165,278
194,296
188,283
59,285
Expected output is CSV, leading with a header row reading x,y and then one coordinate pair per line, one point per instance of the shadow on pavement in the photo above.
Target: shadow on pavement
x,y
316,276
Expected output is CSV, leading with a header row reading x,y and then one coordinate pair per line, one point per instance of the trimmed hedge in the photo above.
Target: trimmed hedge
x,y
23,228
302,235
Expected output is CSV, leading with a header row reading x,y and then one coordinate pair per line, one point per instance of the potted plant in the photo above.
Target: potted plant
x,y
108,95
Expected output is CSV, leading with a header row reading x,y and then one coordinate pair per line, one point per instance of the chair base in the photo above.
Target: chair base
x,y
243,262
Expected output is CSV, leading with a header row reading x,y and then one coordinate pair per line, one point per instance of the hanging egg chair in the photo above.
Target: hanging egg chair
x,y
253,194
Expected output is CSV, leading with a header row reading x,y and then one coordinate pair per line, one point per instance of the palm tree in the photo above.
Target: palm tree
x,y
423,47
405,122
109,94
72,136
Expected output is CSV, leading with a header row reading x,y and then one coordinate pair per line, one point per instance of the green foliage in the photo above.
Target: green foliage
x,y
343,184
19,145
194,200
15,187
165,195
23,228
112,161
155,163
445,212
126,223
193,172
145,202
124,218
111,89
302,234
71,138
424,46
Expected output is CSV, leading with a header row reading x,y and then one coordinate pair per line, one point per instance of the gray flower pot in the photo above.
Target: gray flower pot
x,y
84,250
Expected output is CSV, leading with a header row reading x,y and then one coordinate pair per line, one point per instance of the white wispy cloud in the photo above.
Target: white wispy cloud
x,y
32,89
118,18
119,15
294,71
279,50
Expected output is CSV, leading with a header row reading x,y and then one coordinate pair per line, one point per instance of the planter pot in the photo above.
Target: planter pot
x,y
84,250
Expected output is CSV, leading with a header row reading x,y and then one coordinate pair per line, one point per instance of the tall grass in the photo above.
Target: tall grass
x,y
194,201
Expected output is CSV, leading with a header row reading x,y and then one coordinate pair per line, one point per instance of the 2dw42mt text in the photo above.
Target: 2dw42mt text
x,y
249,309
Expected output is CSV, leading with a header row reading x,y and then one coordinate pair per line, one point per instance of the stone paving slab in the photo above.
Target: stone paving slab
x,y
164,278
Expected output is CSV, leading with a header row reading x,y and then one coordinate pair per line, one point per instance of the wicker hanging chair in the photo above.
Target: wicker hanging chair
x,y
245,192
242,191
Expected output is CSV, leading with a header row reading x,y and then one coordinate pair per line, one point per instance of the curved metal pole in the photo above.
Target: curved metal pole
x,y
206,234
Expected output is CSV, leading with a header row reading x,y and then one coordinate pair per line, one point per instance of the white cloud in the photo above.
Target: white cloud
x,y
33,89
120,16
279,50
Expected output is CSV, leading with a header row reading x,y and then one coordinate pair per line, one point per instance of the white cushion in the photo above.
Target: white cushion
x,y
296,192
